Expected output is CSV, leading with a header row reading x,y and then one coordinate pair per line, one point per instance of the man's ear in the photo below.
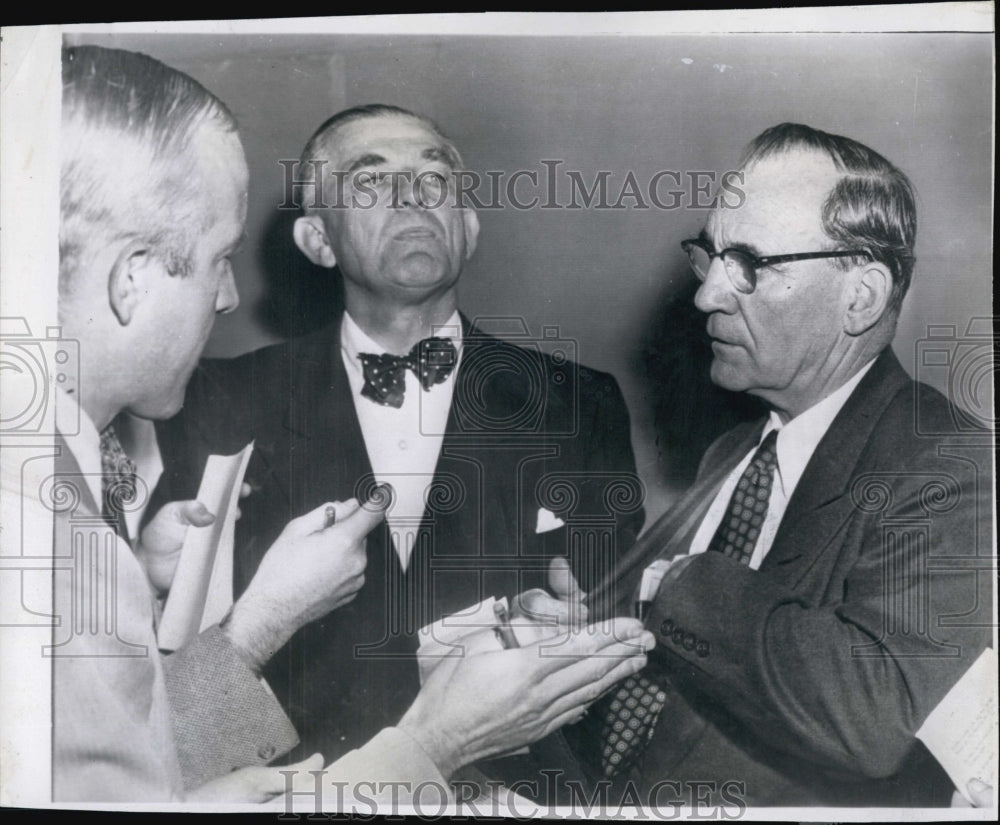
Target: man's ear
x,y
870,294
311,238
471,220
129,279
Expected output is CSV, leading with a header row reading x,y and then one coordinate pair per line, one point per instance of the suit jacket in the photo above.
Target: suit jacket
x,y
128,723
806,679
526,430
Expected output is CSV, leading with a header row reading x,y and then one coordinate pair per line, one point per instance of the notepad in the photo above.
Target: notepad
x,y
961,731
202,589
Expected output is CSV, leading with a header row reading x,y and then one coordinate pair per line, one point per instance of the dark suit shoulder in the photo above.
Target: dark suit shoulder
x,y
918,421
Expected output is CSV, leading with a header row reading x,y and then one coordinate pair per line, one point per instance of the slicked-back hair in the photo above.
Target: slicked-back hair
x,y
319,147
128,168
872,207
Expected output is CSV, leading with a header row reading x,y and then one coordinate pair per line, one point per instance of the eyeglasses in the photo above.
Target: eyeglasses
x,y
741,267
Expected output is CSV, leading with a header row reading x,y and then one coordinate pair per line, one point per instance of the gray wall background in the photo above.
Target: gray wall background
x,y
614,280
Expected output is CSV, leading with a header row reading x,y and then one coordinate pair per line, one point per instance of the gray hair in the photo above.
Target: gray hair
x,y
872,207
128,125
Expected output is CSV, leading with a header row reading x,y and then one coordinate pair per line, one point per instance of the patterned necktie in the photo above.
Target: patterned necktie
x,y
118,486
431,360
740,526
630,718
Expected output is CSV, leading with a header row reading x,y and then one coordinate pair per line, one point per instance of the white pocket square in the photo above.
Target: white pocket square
x,y
547,520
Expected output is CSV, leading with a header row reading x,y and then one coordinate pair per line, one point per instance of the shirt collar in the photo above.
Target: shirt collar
x,y
354,340
798,439
82,439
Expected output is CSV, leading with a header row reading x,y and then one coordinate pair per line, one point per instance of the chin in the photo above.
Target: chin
x,y
161,409
727,377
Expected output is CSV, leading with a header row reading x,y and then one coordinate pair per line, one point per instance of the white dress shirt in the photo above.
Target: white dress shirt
x,y
797,441
403,444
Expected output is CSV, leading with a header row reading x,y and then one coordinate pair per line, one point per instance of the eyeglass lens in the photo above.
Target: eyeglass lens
x,y
738,267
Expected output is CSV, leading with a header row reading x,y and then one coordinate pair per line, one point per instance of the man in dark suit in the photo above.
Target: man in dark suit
x,y
823,584
502,457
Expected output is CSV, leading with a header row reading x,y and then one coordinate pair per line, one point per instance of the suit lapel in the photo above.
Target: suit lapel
x,y
473,455
66,466
821,501
321,419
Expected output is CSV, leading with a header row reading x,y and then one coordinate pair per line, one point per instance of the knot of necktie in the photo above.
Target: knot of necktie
x,y
431,360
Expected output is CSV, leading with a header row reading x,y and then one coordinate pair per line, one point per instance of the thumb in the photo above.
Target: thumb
x,y
370,514
562,582
313,763
194,513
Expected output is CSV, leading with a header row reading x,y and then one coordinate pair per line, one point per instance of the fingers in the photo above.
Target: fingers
x,y
318,519
353,520
194,513
313,763
981,793
365,518
622,637
562,582
581,688
245,490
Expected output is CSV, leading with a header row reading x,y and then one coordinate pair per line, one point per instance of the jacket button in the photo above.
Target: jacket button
x,y
667,627
266,752
678,637
703,649
689,641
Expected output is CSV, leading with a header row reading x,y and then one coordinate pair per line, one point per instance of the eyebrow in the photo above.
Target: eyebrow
x,y
440,153
237,243
434,153
370,159
748,248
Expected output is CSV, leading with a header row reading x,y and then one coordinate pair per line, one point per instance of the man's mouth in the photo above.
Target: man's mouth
x,y
414,232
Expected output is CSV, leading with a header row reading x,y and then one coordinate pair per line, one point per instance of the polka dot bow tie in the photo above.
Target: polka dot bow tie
x,y
431,360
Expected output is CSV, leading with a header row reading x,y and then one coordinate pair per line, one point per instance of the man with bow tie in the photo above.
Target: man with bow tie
x,y
502,457
153,204
826,580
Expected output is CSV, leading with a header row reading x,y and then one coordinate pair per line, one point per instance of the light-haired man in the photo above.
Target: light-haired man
x,y
153,200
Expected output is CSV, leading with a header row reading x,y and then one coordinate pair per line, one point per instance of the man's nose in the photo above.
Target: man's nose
x,y
716,293
405,192
229,297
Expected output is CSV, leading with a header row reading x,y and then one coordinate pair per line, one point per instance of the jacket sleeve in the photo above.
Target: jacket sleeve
x,y
223,716
845,675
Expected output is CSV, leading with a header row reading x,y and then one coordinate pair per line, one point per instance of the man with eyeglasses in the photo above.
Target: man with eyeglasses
x,y
811,611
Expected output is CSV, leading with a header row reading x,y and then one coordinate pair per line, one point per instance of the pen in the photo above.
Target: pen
x,y
505,633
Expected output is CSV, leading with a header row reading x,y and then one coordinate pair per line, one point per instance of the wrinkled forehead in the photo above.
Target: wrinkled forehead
x,y
399,139
782,204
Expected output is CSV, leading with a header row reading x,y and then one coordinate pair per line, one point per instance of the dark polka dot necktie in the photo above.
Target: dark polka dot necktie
x,y
629,720
740,526
118,485
431,360
630,717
